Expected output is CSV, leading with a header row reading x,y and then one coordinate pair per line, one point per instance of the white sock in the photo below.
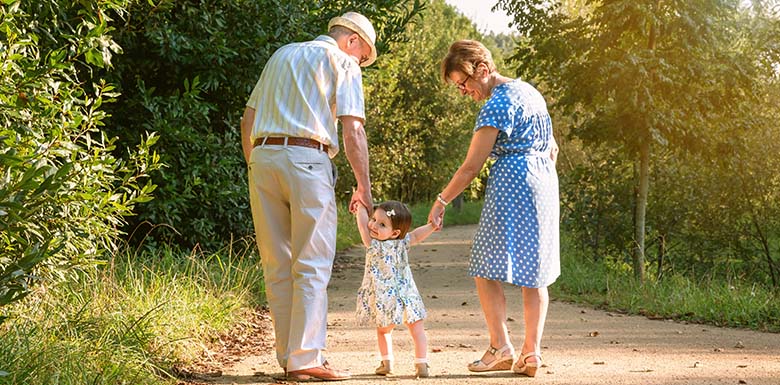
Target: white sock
x,y
423,360
388,357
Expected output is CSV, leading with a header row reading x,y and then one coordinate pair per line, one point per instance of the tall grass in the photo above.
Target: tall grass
x,y
719,302
131,321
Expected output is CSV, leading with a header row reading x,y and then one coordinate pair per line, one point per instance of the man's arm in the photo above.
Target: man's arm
x,y
247,121
356,148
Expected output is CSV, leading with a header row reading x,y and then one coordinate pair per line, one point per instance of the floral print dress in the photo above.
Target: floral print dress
x,y
388,294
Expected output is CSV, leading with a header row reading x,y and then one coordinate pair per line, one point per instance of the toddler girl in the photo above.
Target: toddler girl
x,y
388,295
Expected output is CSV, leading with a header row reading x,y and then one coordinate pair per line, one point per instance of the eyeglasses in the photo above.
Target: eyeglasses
x,y
462,85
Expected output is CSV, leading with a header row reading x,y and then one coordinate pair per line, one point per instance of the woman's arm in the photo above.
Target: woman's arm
x,y
419,234
362,224
481,144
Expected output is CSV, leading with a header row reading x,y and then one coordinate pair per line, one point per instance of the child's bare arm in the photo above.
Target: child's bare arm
x,y
419,234
362,224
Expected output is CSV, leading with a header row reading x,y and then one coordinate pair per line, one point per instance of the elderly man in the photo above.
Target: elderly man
x,y
289,135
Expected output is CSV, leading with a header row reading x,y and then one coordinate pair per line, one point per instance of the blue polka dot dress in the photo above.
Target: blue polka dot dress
x,y
518,238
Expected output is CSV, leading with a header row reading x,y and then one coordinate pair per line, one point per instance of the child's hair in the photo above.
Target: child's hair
x,y
401,217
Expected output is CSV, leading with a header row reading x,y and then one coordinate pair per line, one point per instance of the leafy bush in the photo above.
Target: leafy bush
x,y
186,73
63,192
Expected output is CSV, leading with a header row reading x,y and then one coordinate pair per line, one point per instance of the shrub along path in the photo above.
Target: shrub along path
x,y
580,345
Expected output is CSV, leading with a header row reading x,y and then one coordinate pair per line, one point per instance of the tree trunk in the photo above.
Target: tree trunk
x,y
457,203
762,239
640,210
661,256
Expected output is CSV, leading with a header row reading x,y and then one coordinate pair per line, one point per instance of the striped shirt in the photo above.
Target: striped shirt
x,y
303,89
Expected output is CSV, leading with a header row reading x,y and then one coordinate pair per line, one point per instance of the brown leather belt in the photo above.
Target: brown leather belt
x,y
291,141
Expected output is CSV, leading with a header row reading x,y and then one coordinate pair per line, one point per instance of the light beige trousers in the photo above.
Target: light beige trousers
x,y
294,213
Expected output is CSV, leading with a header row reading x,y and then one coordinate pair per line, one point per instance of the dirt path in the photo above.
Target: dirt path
x,y
580,345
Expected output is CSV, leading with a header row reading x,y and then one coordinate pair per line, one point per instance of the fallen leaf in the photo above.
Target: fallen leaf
x,y
436,350
739,345
593,334
599,363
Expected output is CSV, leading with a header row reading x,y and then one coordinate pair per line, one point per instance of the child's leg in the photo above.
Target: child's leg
x,y
417,329
421,368
385,341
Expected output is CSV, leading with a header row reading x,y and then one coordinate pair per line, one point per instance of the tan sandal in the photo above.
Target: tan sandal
x,y
527,368
385,368
500,361
422,370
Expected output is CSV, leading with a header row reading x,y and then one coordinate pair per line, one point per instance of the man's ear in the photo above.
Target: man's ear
x,y
353,38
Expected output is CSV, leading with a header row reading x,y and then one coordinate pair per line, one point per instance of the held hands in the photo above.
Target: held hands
x,y
361,196
436,216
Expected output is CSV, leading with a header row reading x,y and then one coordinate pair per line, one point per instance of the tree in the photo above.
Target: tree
x,y
639,75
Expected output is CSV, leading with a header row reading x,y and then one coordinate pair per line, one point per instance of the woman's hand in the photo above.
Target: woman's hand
x,y
436,216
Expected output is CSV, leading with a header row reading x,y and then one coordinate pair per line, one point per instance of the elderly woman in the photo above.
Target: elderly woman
x,y
517,240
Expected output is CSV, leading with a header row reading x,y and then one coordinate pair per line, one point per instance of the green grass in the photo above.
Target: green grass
x,y
130,322
711,301
136,317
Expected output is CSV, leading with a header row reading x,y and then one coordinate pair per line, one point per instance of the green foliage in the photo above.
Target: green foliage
x,y
63,193
186,73
418,127
130,322
596,194
672,95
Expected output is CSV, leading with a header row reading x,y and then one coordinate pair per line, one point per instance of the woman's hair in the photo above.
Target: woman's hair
x,y
401,217
465,56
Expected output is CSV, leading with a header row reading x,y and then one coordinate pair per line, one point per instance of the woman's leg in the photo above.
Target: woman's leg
x,y
491,297
417,329
535,303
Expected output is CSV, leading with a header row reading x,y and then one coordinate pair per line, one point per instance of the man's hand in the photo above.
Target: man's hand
x,y
361,197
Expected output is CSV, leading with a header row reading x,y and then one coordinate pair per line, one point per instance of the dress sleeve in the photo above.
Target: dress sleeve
x,y
407,241
497,112
375,244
